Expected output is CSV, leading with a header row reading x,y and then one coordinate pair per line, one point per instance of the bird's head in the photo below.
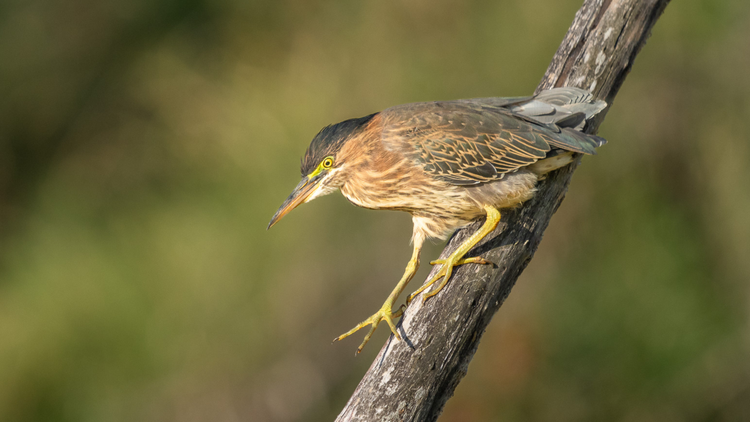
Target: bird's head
x,y
324,166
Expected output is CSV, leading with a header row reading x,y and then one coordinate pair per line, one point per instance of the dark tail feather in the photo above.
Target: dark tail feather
x,y
573,140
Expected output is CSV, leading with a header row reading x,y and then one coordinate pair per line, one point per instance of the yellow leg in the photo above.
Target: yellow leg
x,y
462,261
386,311
456,258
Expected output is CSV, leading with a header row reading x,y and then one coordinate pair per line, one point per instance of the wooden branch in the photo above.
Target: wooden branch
x,y
411,380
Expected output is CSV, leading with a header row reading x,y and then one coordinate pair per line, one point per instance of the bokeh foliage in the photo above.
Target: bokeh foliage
x,y
145,144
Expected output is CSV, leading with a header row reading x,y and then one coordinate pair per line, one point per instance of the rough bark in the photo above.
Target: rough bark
x,y
411,380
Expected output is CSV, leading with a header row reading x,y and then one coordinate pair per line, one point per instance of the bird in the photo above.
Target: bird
x,y
447,163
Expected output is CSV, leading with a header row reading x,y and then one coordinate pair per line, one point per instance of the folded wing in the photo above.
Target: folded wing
x,y
469,142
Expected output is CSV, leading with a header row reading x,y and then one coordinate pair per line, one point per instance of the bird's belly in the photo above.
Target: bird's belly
x,y
513,189
439,208
381,201
392,191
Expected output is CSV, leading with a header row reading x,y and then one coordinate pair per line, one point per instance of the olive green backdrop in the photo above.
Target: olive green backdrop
x,y
144,145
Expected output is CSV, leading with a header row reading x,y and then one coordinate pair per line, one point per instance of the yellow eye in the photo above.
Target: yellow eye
x,y
327,163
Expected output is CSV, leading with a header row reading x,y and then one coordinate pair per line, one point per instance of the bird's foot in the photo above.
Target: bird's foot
x,y
384,314
445,273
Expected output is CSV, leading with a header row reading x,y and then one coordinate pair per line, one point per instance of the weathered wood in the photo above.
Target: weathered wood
x,y
411,380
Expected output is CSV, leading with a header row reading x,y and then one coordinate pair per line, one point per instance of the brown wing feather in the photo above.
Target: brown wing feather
x,y
465,143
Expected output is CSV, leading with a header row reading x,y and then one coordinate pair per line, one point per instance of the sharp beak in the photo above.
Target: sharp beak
x,y
303,190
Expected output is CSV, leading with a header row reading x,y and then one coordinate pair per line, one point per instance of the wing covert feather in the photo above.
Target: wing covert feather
x,y
465,143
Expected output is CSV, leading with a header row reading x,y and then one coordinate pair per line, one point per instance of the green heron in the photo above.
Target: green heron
x,y
446,163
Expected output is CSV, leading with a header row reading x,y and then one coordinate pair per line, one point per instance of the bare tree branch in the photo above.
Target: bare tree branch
x,y
411,380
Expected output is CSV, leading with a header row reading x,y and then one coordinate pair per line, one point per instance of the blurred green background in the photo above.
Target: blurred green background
x,y
145,144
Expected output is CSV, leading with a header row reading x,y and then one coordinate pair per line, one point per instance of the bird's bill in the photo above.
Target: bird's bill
x,y
299,195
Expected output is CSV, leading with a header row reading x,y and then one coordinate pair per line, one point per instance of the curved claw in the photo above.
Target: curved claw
x,y
384,314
